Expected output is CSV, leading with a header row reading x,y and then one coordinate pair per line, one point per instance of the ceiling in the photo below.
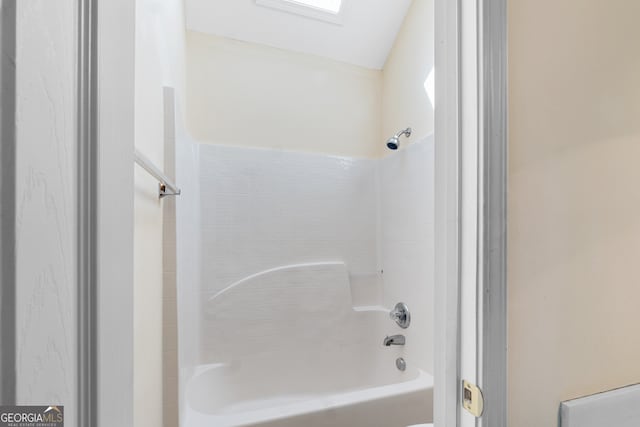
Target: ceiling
x,y
364,37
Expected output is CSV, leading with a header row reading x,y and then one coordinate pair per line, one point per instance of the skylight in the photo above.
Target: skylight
x,y
330,11
331,6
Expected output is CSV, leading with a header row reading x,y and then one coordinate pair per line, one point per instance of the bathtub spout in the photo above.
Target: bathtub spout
x,y
393,340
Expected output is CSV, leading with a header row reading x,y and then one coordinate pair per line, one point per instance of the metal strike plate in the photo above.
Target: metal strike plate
x,y
472,399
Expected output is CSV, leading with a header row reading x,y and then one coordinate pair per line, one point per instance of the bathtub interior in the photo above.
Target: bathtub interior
x,y
235,405
233,388
302,257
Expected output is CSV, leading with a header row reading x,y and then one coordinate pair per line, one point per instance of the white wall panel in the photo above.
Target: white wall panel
x,y
159,62
617,408
407,242
262,209
266,208
187,261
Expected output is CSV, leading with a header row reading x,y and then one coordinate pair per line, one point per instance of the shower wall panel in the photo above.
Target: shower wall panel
x,y
263,209
406,242
267,208
187,259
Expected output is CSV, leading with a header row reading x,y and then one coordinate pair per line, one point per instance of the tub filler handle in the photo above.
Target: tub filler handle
x,y
401,315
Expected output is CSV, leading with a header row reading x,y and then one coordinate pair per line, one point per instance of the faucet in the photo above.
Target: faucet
x,y
393,340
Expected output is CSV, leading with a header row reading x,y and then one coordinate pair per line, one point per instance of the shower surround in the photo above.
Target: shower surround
x,y
302,256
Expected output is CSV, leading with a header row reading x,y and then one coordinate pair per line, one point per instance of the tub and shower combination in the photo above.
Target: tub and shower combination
x,y
288,266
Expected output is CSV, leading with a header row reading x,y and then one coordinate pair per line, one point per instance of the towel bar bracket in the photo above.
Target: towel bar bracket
x,y
162,191
165,186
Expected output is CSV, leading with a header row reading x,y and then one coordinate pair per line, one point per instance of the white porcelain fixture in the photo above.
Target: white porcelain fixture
x,y
389,399
293,351
303,257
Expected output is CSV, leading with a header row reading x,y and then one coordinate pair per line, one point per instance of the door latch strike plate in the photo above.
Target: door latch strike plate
x,y
472,399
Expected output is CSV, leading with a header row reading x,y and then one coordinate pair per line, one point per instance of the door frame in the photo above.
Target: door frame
x,y
492,304
447,215
104,136
8,75
489,48
106,70
113,74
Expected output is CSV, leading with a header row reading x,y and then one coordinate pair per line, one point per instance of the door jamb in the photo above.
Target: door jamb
x,y
447,214
106,134
492,207
492,303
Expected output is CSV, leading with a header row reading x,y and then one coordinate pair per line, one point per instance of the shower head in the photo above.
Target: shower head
x,y
394,142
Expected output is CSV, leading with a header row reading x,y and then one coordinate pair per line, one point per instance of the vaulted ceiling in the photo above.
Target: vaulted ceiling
x,y
363,34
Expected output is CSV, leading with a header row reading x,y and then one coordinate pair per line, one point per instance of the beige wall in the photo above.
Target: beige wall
x,y
574,202
159,62
404,100
253,95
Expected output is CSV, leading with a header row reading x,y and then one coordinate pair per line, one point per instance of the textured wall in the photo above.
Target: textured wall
x,y
46,160
574,228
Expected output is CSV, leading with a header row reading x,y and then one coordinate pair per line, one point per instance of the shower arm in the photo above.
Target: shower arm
x,y
406,132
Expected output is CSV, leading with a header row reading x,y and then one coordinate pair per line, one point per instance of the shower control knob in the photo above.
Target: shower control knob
x,y
401,315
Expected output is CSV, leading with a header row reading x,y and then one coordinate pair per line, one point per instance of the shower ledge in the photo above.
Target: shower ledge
x,y
370,308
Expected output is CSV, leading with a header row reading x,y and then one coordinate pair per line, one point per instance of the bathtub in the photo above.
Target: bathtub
x,y
286,348
223,395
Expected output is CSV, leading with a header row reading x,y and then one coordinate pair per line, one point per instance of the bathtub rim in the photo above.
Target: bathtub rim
x,y
423,381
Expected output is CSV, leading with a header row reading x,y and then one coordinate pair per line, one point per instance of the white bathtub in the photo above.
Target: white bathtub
x,y
226,396
287,349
